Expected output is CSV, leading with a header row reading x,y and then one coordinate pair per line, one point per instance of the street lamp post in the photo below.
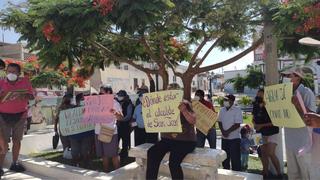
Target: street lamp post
x,y
210,77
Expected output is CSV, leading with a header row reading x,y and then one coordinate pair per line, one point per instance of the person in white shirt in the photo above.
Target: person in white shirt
x,y
109,150
230,118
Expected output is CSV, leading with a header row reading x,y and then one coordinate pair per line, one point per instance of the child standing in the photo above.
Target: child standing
x,y
245,147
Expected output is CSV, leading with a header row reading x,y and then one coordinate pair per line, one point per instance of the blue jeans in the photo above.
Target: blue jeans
x,y
212,138
244,161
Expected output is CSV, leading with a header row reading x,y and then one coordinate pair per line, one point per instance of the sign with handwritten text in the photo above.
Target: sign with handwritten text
x,y
160,111
205,117
70,122
98,109
280,108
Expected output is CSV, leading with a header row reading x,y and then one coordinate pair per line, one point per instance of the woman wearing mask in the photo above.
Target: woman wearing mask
x,y
263,125
124,126
140,134
109,150
66,104
178,144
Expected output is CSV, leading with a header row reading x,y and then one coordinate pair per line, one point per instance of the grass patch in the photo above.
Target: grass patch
x,y
95,164
247,119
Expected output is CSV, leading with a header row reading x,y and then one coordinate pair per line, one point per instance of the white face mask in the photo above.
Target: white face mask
x,y
226,104
286,80
196,98
12,77
120,98
140,99
81,103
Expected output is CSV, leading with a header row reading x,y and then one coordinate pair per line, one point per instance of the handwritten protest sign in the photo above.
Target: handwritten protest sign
x,y
205,117
160,111
98,109
280,108
70,122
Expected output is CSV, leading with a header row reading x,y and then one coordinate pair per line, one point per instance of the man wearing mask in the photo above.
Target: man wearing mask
x,y
212,135
124,128
12,114
230,118
296,138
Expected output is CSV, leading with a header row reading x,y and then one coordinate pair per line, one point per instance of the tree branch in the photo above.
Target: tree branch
x,y
124,60
148,49
208,52
162,58
231,60
173,69
196,53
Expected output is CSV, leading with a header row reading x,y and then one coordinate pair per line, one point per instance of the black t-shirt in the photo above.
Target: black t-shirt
x,y
260,116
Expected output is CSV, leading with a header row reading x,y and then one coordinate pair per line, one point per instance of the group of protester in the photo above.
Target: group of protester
x,y
128,117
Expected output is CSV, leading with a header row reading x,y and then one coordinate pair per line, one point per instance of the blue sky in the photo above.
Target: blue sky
x,y
214,57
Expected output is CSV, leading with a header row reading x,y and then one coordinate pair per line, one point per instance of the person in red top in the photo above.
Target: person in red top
x,y
15,92
212,135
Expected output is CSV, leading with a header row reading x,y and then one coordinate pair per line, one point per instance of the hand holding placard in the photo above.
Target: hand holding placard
x,y
160,111
98,109
280,108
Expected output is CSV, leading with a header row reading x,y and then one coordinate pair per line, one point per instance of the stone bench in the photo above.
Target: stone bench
x,y
203,163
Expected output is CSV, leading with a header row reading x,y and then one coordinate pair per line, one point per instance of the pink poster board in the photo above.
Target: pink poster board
x,y
98,109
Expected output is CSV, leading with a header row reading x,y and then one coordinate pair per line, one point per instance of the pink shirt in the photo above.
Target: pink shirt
x,y
16,105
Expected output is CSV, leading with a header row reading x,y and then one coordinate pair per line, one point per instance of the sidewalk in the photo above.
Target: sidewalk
x,y
9,175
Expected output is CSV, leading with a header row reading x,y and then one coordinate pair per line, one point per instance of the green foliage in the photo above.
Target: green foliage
x,y
308,81
292,21
254,79
238,83
245,100
157,31
219,100
49,79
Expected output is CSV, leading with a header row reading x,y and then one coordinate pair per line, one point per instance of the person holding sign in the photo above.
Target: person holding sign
x,y
297,138
109,149
230,118
178,144
212,134
123,124
65,104
81,143
262,124
312,120
13,113
140,134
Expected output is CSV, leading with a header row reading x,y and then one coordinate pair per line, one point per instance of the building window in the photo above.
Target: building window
x,y
126,67
174,79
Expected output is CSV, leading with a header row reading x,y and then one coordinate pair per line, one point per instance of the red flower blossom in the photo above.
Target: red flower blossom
x,y
104,6
48,29
55,38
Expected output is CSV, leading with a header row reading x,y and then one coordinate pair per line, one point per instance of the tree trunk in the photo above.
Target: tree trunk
x,y
187,81
165,78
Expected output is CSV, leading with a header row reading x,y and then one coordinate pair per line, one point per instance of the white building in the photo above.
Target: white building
x,y
128,78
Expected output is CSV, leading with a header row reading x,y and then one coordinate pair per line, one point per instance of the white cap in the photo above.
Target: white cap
x,y
309,42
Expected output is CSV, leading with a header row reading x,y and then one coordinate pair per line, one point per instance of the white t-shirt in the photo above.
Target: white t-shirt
x,y
230,117
116,107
